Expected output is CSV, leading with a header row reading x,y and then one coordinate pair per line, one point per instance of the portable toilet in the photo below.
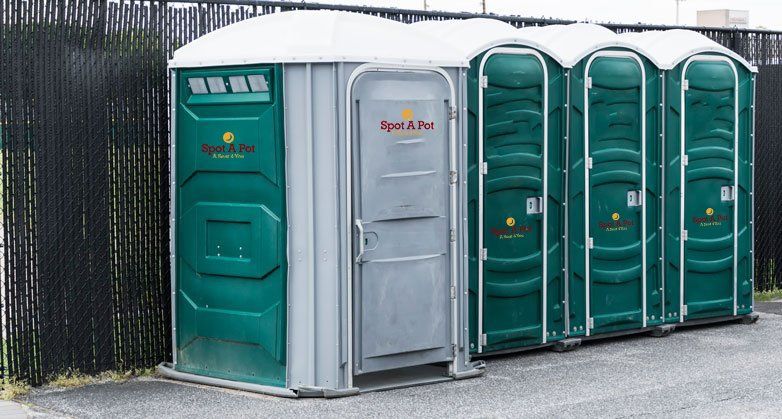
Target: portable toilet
x,y
516,95
317,193
613,180
709,152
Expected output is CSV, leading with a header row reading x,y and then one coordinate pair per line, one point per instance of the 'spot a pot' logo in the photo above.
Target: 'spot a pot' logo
x,y
227,150
511,230
616,223
407,125
711,219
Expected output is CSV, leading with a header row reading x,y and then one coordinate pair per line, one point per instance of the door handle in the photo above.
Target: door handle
x,y
727,193
634,198
535,205
360,228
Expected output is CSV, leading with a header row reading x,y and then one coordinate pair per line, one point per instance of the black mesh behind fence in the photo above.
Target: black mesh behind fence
x,y
84,279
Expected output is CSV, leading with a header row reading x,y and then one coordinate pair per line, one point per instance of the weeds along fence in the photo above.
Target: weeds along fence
x,y
84,279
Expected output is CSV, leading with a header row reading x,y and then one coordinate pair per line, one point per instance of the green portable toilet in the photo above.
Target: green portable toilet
x,y
709,152
317,244
613,181
516,95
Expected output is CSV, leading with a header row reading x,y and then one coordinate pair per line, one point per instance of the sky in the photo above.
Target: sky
x,y
762,13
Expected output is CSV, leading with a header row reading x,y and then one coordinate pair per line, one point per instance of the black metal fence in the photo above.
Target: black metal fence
x,y
84,280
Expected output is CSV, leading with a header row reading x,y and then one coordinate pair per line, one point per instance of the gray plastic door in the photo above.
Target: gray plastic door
x,y
401,207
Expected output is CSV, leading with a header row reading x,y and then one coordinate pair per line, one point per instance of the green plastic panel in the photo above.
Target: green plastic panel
x,y
513,149
230,227
709,128
616,293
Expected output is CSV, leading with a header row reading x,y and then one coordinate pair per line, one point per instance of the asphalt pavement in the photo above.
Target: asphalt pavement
x,y
725,370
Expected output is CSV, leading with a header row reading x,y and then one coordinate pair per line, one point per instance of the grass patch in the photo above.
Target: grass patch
x,y
775,294
116,376
13,389
71,379
74,378
146,372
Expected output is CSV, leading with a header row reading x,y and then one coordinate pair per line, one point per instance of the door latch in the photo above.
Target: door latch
x,y
361,244
728,193
634,198
535,205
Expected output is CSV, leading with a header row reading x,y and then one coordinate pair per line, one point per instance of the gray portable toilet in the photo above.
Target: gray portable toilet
x,y
516,95
709,117
318,192
613,179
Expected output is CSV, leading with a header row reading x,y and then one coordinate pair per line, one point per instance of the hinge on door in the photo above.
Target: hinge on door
x,y
589,82
453,292
589,163
685,84
453,177
685,159
452,235
484,81
684,235
591,243
484,168
684,310
452,112
483,340
591,323
484,253
455,350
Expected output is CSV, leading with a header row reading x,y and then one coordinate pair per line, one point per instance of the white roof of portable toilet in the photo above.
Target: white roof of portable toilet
x,y
673,46
575,41
474,36
316,36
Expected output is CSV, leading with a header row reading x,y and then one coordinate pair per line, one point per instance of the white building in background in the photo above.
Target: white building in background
x,y
724,18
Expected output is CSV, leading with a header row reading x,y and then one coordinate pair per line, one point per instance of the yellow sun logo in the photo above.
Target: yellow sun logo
x,y
407,114
510,221
228,137
709,211
615,216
